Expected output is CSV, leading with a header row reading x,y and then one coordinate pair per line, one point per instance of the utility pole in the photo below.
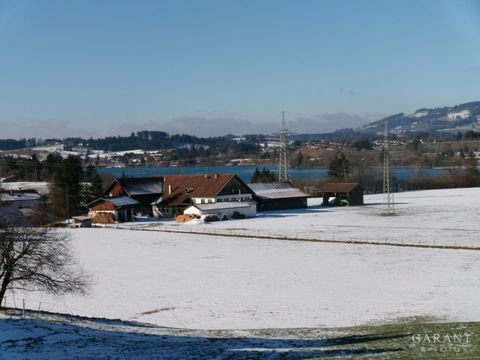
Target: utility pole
x,y
283,165
387,189
67,202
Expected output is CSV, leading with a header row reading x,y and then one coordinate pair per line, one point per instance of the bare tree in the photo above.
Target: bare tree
x,y
35,258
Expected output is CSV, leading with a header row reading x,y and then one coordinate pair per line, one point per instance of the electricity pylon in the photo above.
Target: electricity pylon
x,y
387,186
283,164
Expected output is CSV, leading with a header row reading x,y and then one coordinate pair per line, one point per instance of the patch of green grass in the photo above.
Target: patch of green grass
x,y
411,338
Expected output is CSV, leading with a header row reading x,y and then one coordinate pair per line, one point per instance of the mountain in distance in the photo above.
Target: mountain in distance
x,y
448,120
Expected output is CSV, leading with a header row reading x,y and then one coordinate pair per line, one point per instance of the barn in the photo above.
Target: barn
x,y
113,209
145,190
352,193
229,209
278,196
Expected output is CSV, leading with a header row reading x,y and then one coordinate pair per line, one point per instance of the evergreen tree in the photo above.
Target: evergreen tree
x,y
52,164
264,176
36,167
339,167
66,192
92,185
298,160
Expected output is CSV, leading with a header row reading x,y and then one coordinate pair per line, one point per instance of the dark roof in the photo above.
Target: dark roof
x,y
277,190
141,186
184,187
118,201
338,187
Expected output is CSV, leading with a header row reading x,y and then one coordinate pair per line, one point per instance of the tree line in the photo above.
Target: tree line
x,y
72,186
342,169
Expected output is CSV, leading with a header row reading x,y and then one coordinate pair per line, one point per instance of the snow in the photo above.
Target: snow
x,y
208,281
418,114
216,282
121,153
44,336
434,217
464,114
39,186
48,148
19,196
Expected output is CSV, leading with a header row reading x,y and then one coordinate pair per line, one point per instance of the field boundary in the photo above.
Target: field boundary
x,y
303,239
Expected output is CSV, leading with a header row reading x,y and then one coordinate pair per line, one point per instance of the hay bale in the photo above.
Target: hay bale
x,y
184,218
103,218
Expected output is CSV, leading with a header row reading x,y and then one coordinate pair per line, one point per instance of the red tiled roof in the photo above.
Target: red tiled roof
x,y
184,187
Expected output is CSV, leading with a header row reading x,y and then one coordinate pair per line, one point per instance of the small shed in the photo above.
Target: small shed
x,y
81,222
278,196
229,209
352,193
113,209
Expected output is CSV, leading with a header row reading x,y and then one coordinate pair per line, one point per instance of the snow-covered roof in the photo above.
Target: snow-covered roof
x,y
224,205
278,190
19,196
40,187
122,201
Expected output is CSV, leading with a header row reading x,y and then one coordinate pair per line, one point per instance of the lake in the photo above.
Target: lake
x,y
246,172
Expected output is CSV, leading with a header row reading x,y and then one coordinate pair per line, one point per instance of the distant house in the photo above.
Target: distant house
x,y
350,192
113,209
278,196
229,209
144,190
181,191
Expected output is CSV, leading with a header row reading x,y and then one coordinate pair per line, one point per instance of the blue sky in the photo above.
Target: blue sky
x,y
210,67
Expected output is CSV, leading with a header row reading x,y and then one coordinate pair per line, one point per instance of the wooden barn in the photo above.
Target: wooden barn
x,y
278,196
113,209
338,193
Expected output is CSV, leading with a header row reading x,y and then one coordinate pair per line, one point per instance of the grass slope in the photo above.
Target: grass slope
x,y
44,336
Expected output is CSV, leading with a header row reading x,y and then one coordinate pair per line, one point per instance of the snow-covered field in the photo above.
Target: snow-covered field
x,y
433,217
196,281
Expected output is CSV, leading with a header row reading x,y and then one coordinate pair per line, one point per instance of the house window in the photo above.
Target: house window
x,y
203,201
